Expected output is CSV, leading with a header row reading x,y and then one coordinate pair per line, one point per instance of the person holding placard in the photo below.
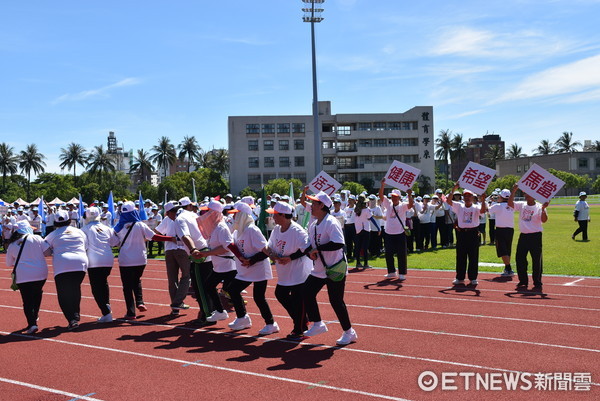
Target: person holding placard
x,y
532,215
467,235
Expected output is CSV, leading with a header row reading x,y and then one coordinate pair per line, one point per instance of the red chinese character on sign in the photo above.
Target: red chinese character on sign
x,y
395,174
470,175
407,179
320,182
547,189
533,180
482,180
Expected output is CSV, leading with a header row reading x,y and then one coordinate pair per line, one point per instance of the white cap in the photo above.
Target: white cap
x,y
61,216
213,205
128,207
241,207
505,193
92,212
248,200
582,194
321,197
396,192
170,205
185,201
467,191
281,207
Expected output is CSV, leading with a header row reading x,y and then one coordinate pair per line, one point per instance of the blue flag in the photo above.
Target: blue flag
x,y
80,212
142,212
111,208
42,214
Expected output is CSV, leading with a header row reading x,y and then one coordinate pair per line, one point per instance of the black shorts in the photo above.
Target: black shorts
x,y
481,228
504,239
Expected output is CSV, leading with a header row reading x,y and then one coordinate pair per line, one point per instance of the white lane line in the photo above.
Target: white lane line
x,y
573,282
49,390
205,365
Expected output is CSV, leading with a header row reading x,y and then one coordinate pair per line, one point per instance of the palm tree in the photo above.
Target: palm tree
x,y
514,152
444,146
142,165
31,159
73,155
220,161
101,163
458,149
164,154
565,143
544,148
494,153
9,162
596,146
190,150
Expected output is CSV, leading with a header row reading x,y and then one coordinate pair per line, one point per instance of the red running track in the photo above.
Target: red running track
x,y
404,329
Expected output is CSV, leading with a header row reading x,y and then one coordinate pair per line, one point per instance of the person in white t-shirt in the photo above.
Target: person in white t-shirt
x,y
253,267
582,216
377,224
504,214
349,229
362,226
154,220
286,247
338,213
70,262
327,249
31,270
8,223
425,214
133,234
106,217
467,235
532,215
100,240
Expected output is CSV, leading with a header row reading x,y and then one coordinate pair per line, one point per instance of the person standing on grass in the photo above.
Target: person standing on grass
x,y
532,215
286,247
26,254
505,222
395,235
425,214
133,234
100,240
327,249
582,216
70,262
467,235
362,227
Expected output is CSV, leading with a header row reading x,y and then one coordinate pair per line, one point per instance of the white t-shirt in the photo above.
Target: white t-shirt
x,y
362,222
8,223
221,236
326,231
186,225
100,240
530,217
505,215
133,250
340,216
426,213
36,223
21,217
32,265
284,244
106,218
69,246
167,227
249,243
376,212
467,217
349,214
393,225
584,210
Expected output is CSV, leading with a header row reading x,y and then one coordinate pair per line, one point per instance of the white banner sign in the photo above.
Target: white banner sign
x,y
324,182
540,184
476,177
401,176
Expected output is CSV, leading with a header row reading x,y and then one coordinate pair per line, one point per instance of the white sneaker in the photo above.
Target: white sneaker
x,y
241,323
401,277
317,328
349,336
269,329
458,282
106,318
474,282
216,316
32,329
391,275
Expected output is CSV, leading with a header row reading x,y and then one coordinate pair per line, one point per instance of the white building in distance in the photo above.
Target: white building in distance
x,y
354,146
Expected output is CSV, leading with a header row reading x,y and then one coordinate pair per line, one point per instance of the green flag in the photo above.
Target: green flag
x,y
194,197
291,194
262,218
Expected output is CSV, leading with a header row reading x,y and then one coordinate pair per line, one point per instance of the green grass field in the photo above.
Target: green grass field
x,y
561,254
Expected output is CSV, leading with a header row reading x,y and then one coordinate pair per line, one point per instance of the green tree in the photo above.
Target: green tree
x,y
565,144
494,153
281,186
101,163
573,182
596,185
189,150
443,145
354,187
73,155
9,162
208,183
149,191
249,192
544,148
164,155
458,149
505,182
514,152
31,159
142,166
52,185
216,159
15,188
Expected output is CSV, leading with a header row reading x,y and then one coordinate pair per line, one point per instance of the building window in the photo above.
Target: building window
x,y
598,164
410,141
365,159
269,177
268,128
379,126
364,126
379,143
283,128
252,128
519,168
525,167
410,158
298,144
582,163
268,144
346,162
395,142
328,145
346,146
253,144
269,162
367,143
300,176
394,126
284,144
299,161
343,130
284,161
285,176
328,161
380,159
298,128
253,179
253,162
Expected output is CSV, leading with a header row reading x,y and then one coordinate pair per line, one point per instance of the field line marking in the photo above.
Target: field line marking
x,y
50,390
576,281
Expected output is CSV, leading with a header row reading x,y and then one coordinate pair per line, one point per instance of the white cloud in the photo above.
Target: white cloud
x,y
465,114
100,92
575,78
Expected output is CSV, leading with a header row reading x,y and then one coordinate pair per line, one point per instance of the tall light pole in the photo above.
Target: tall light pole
x,y
312,15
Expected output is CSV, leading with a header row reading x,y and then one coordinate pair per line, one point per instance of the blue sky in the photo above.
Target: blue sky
x,y
73,70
